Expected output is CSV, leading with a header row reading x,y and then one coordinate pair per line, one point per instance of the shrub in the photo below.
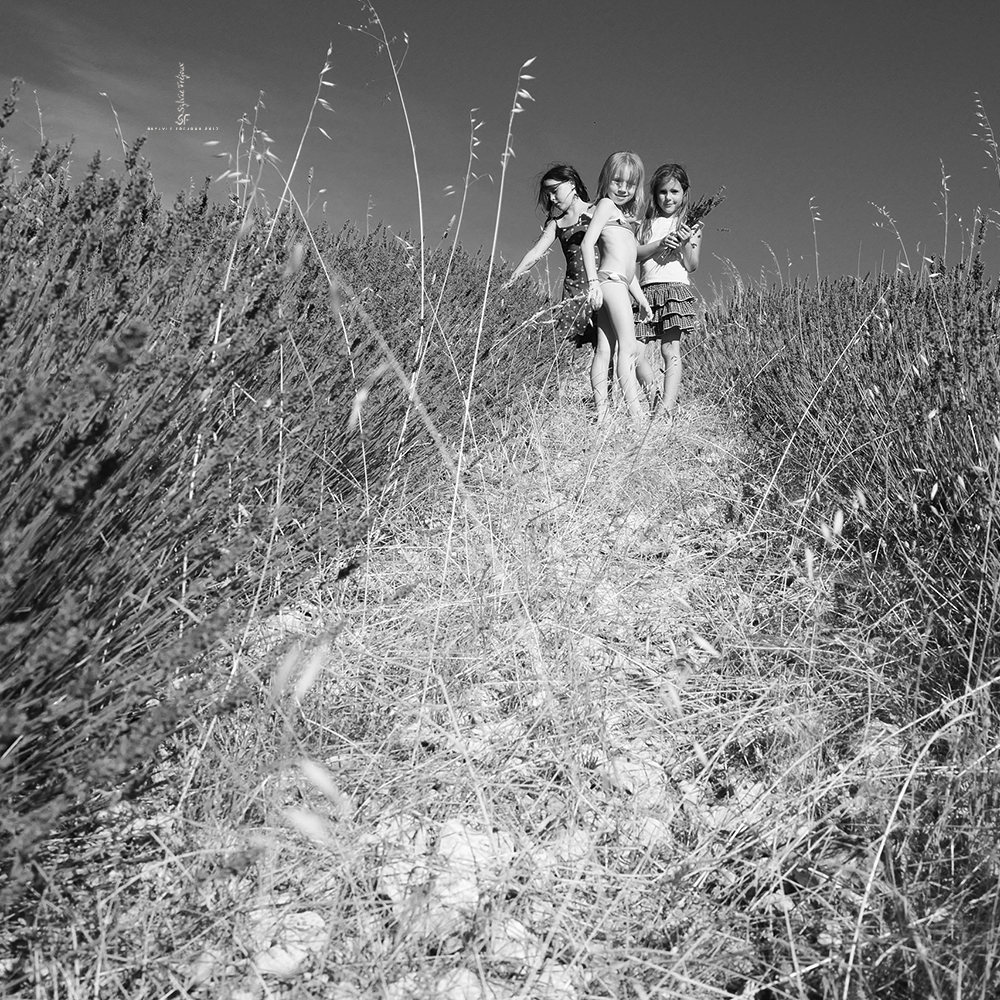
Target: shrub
x,y
880,397
177,437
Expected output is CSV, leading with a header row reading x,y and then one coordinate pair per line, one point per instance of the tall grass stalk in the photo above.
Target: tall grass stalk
x,y
422,350
516,108
777,266
246,221
884,212
242,178
815,216
987,136
375,30
118,129
944,212
335,284
317,99
474,126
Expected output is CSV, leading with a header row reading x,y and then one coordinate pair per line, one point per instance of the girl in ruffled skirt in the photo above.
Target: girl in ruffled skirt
x,y
668,251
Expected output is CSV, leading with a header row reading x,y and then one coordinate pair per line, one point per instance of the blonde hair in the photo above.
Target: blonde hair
x,y
628,164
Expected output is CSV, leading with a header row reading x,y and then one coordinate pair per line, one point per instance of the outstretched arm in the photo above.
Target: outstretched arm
x,y
588,249
537,252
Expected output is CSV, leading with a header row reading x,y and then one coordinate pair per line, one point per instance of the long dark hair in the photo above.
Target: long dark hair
x,y
560,172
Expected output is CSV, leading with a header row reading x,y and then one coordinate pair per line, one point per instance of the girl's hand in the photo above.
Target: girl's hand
x,y
690,231
684,233
680,236
595,297
645,310
687,232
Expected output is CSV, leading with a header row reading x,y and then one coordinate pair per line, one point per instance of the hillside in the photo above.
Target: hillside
x,y
572,731
344,656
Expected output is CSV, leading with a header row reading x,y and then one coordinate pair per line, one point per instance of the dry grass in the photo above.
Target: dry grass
x,y
589,736
592,721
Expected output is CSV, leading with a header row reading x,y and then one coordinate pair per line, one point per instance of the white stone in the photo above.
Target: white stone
x,y
281,962
510,941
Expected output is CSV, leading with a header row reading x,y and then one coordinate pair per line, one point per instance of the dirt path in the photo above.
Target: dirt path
x,y
568,742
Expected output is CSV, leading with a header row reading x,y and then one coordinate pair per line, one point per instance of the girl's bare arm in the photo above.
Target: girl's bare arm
x,y
687,241
635,290
647,250
691,248
588,249
538,251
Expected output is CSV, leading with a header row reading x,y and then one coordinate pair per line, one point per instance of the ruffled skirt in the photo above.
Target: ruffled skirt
x,y
674,308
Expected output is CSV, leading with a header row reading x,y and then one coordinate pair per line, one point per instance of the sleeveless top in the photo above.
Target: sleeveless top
x,y
570,239
666,266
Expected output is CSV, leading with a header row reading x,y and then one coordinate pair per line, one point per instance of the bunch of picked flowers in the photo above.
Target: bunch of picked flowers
x,y
697,212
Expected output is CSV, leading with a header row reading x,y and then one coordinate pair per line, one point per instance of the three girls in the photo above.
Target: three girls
x,y
667,249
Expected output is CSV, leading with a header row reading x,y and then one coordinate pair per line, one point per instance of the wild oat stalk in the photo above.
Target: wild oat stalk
x,y
944,212
376,30
884,212
474,127
317,99
814,214
118,127
246,223
986,136
519,94
517,108
777,266
422,350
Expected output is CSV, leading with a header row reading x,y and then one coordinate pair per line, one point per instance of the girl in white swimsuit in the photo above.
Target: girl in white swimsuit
x,y
619,193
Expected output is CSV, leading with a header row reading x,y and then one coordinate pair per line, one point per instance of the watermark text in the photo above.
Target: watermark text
x,y
183,113
182,108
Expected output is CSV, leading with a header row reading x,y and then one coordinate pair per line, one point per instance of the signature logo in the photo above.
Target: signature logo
x,y
182,107
183,119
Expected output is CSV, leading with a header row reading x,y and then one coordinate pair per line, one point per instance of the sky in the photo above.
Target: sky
x,y
804,109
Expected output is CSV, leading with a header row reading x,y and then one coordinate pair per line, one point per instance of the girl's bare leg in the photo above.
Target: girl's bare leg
x,y
670,348
617,310
644,371
599,368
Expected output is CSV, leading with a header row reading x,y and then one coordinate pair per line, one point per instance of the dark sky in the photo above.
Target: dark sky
x,y
847,103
